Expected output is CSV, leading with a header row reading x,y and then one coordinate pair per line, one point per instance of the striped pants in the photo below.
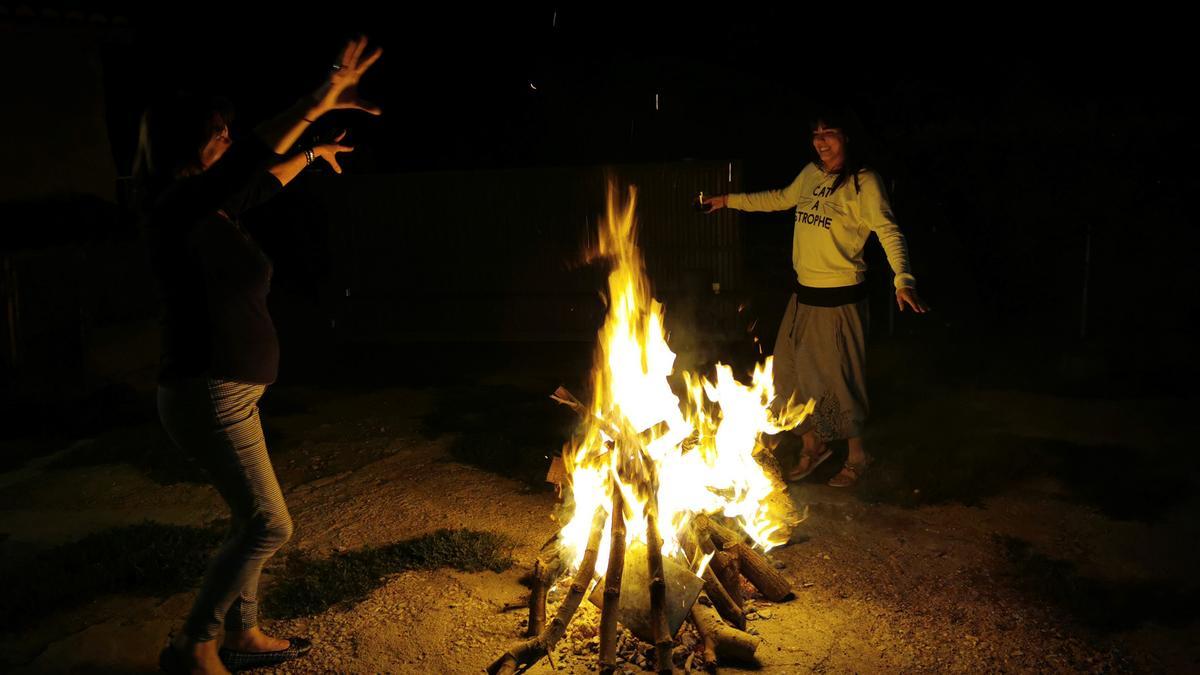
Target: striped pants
x,y
217,422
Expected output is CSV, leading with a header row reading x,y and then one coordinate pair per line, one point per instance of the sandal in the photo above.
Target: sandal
x,y
850,474
808,463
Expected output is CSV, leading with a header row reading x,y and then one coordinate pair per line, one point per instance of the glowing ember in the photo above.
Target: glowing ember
x,y
696,455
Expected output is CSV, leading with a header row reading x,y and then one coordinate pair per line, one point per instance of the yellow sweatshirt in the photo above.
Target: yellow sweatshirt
x,y
832,227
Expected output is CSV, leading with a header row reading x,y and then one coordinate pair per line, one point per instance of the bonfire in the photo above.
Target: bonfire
x,y
671,508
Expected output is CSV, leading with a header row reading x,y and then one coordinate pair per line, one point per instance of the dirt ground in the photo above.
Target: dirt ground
x,y
999,530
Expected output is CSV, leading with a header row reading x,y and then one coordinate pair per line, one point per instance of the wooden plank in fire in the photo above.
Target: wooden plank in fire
x,y
564,396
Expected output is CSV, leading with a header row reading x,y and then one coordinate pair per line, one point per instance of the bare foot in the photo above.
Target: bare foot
x,y
808,458
253,640
197,658
858,451
813,445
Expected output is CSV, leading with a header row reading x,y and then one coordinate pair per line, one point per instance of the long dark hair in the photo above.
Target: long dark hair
x,y
171,135
855,141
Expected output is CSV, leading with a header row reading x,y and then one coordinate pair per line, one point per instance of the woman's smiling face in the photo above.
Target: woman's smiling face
x,y
830,145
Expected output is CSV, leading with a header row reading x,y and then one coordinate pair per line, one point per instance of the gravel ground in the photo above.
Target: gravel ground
x,y
1033,576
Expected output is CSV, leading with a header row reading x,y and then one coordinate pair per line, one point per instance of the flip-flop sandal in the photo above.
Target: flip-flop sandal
x,y
849,474
807,464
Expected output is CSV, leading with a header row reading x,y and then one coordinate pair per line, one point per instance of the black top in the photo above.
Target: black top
x,y
213,279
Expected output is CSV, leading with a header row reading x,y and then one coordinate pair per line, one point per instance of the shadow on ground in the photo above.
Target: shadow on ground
x,y
311,585
967,467
148,559
933,446
1101,604
501,429
39,423
145,447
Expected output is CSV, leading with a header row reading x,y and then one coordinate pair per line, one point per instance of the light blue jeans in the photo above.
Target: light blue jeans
x,y
217,422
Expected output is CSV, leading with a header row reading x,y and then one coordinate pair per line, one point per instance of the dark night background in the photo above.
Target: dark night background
x,y
1041,170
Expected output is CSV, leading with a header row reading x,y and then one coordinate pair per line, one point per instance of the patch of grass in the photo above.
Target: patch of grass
x,y
310,586
150,559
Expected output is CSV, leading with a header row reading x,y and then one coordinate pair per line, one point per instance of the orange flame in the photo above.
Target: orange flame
x,y
695,456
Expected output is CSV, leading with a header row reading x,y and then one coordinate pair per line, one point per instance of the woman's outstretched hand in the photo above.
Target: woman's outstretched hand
x,y
713,203
340,92
909,297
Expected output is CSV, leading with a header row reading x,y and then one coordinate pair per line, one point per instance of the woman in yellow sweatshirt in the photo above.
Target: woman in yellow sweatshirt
x,y
821,346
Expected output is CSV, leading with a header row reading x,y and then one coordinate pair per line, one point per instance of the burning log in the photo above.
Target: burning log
x,y
683,587
612,587
710,644
729,610
760,572
545,570
658,590
727,570
529,652
722,537
557,473
753,565
564,396
720,640
721,598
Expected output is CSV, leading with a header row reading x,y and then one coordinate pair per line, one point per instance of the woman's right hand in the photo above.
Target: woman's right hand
x,y
714,203
340,92
330,151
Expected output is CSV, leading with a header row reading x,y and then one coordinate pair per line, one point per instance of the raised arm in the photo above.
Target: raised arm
x,y
339,92
289,167
241,168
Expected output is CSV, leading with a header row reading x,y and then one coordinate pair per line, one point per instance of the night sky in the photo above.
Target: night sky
x,y
731,81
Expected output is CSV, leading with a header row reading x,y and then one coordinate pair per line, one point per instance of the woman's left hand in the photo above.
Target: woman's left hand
x,y
341,91
329,152
908,296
